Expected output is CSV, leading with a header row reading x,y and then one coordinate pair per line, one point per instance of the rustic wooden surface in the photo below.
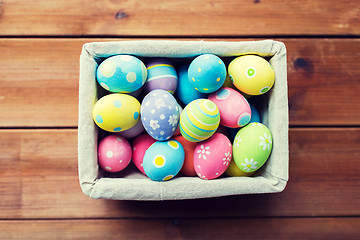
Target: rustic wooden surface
x,y
40,44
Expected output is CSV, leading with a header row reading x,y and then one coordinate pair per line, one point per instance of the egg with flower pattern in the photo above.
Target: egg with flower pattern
x,y
121,73
252,147
212,156
163,160
160,114
116,112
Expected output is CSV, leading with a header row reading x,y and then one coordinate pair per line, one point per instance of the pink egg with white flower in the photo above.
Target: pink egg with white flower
x,y
114,153
139,147
212,156
233,107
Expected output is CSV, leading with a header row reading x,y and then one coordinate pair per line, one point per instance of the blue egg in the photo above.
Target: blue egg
x,y
207,73
255,117
185,92
163,160
160,114
121,74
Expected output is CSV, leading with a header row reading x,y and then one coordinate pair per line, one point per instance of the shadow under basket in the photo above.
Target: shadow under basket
x,y
133,185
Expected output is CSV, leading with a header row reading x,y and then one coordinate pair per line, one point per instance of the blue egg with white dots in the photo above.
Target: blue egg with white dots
x,y
121,74
160,114
207,73
163,160
185,92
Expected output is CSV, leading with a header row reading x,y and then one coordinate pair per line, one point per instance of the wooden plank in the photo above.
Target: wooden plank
x,y
253,228
39,179
323,84
179,18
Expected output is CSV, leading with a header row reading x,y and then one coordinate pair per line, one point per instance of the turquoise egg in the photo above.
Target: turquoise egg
x,y
207,73
163,160
121,74
185,92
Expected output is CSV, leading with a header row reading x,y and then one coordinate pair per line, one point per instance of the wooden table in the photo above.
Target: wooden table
x,y
40,44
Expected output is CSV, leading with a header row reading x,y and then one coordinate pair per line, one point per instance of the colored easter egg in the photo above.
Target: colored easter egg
x,y
134,131
255,117
140,144
234,108
234,171
252,147
116,112
199,120
185,92
161,75
160,114
207,73
121,74
189,148
212,157
163,160
251,74
114,153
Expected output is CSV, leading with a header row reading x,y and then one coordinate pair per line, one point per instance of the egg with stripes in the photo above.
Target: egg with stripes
x,y
116,112
199,120
163,160
161,74
121,74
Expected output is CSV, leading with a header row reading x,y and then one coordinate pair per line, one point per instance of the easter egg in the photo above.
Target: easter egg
x,y
199,120
233,107
163,160
252,147
114,153
234,171
134,131
189,148
161,75
255,117
207,73
185,92
212,157
251,74
140,145
121,74
160,114
116,112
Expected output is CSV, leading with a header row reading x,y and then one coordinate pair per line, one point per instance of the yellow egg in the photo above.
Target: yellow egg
x,y
251,74
234,171
116,112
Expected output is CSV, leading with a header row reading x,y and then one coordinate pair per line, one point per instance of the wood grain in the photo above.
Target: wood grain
x,y
39,179
179,18
39,81
253,228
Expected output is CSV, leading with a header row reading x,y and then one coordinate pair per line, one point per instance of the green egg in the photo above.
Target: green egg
x,y
252,147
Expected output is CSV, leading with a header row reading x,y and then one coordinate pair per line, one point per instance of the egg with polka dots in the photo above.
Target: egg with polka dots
x,y
251,74
234,109
121,74
114,153
212,157
116,112
160,114
207,73
163,160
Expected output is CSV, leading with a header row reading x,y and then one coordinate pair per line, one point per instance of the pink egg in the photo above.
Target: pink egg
x,y
212,156
233,107
114,153
140,145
